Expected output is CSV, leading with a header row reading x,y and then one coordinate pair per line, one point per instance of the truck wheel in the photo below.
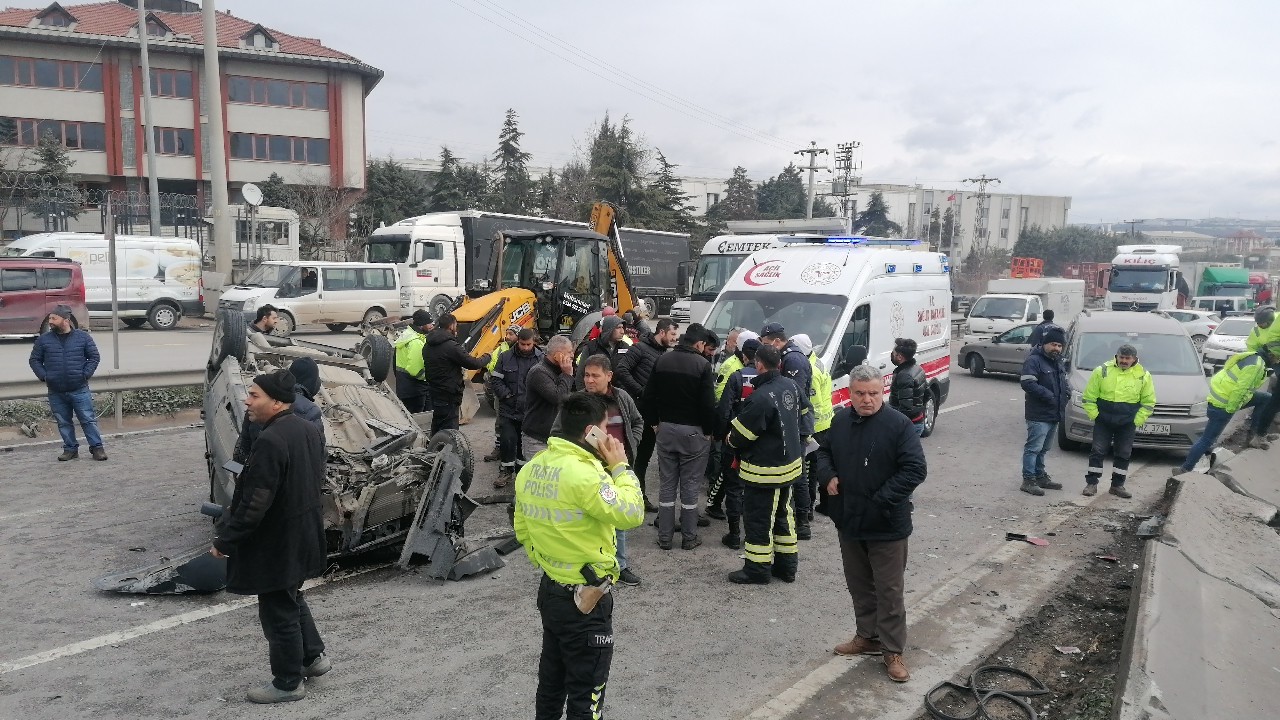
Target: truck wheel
x,y
1066,443
230,339
458,443
336,327
439,305
977,366
930,414
134,323
379,356
163,316
285,324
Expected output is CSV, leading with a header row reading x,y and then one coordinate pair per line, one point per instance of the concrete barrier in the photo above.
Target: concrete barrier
x,y
1204,633
1253,472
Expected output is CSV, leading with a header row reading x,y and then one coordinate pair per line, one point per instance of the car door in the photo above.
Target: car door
x,y
21,301
1010,349
339,295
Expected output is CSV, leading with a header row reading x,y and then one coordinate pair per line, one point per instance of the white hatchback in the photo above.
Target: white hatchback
x,y
1226,340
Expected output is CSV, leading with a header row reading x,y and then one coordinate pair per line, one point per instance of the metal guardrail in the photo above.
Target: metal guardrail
x,y
109,382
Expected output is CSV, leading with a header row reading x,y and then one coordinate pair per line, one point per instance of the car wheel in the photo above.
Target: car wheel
x,y
930,414
336,327
1066,443
163,316
1199,341
977,366
439,305
372,315
378,355
456,441
230,339
650,307
134,323
285,324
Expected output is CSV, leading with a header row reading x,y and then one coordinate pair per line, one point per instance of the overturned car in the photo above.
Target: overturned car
x,y
386,484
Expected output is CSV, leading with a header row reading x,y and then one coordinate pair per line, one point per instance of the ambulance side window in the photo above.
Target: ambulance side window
x,y
857,332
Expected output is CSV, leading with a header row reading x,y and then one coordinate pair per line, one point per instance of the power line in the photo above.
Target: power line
x,y
639,91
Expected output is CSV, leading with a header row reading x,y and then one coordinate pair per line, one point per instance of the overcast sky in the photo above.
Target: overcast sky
x,y
1135,108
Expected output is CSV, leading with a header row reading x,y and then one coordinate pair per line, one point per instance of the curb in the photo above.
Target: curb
x,y
170,430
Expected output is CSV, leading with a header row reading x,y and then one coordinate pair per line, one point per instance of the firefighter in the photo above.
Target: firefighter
x,y
795,365
568,510
508,342
411,375
1119,398
728,486
766,435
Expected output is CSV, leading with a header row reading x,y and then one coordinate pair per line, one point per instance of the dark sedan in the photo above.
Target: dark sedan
x,y
1003,353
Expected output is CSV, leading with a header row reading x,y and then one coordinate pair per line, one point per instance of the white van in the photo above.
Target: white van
x,y
845,292
158,278
336,294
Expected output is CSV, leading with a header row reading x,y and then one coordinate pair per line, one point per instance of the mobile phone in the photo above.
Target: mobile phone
x,y
594,436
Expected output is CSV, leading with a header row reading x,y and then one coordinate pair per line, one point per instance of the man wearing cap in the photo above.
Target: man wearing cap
x,y
306,378
273,535
610,344
509,384
1119,398
909,389
1037,332
1044,381
64,359
795,365
823,413
444,359
508,342
411,374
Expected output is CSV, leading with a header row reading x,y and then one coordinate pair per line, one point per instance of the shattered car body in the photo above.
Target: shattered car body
x,y
384,477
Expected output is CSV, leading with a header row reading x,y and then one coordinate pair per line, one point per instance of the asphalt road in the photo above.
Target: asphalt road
x,y
689,644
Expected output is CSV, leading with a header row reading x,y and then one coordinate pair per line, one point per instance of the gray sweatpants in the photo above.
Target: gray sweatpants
x,y
682,461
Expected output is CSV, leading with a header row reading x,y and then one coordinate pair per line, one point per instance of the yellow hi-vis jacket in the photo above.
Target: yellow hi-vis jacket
x,y
1267,339
823,409
409,353
567,509
1118,395
727,368
1233,386
493,358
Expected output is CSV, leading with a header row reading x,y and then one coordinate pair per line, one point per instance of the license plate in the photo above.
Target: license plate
x,y
1154,429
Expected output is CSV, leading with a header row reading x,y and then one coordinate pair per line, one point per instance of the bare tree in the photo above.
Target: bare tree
x,y
15,162
323,211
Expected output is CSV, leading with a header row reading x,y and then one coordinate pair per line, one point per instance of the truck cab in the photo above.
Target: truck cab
x,y
1146,278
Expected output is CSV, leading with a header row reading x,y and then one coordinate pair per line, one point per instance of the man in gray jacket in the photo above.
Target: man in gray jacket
x,y
547,383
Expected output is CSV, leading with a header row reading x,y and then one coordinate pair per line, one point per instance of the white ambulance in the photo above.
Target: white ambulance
x,y
844,292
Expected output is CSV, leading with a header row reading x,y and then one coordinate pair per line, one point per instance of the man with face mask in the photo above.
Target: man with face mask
x,y
1044,380
1119,398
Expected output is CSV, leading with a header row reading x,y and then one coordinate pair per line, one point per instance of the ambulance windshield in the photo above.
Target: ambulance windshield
x,y
800,313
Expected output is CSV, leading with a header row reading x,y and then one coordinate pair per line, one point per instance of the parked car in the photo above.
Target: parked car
x,y
1198,323
1003,353
31,287
1227,339
680,310
1165,350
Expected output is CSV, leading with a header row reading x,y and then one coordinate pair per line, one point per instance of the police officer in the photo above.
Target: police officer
x,y
728,487
1264,339
1119,398
767,437
411,375
568,510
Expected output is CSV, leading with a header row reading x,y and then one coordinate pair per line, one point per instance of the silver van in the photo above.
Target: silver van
x,y
335,294
1165,350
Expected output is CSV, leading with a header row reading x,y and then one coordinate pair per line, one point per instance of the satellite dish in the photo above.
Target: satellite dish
x,y
252,194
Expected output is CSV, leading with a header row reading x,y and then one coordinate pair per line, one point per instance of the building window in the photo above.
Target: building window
x,y
171,83
1004,214
1004,232
280,148
278,93
176,141
1022,217
712,199
73,135
62,74
155,29
58,19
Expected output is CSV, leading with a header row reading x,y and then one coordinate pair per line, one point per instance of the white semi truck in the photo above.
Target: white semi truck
x,y
1146,278
1010,302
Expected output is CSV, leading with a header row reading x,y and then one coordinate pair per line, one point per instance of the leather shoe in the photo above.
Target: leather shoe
x,y
803,530
1090,490
491,457
860,646
703,521
715,512
649,506
1119,491
897,669
783,574
690,544
68,455
732,540
664,544
1047,483
1031,488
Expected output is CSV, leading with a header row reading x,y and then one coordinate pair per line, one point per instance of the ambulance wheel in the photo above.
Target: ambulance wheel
x,y
930,414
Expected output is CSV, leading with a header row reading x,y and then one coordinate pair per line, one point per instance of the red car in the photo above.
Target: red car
x,y
31,287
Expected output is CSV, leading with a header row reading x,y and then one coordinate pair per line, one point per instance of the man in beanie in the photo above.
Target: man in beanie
x,y
64,359
1119,398
306,378
508,342
273,535
910,387
411,374
610,344
1044,380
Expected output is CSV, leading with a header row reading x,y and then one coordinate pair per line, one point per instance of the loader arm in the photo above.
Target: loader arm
x,y
604,220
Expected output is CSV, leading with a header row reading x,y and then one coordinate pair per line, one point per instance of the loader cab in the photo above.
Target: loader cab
x,y
567,271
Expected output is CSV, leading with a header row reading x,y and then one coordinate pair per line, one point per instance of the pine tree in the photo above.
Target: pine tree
x,y
474,186
392,193
616,165
666,205
545,193
275,193
58,197
512,189
573,194
446,194
875,219
52,159
782,197
739,201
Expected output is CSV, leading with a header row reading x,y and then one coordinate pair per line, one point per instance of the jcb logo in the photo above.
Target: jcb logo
x,y
521,311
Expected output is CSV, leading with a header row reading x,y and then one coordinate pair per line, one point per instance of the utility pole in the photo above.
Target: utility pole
x,y
980,220
217,143
843,187
148,124
813,151
1132,226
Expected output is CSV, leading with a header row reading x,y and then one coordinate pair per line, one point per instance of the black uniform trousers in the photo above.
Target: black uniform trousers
x,y
648,441
1119,440
291,635
444,416
413,393
510,447
769,526
728,486
577,650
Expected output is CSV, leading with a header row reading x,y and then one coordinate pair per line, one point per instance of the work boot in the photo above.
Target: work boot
x,y
690,543
504,478
68,455
860,646
318,667
752,573
1119,491
1047,483
703,520
99,453
897,669
1090,490
803,530
664,544
784,567
493,456
649,506
716,512
1031,487
269,693
733,538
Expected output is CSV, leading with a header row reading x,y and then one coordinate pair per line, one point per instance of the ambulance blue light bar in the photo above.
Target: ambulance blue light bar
x,y
846,240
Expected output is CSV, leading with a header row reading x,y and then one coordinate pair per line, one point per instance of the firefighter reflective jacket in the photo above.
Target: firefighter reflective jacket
x,y
823,410
1233,386
1118,396
409,353
567,509
766,433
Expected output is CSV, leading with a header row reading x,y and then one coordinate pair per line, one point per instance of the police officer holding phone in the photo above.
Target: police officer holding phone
x,y
570,500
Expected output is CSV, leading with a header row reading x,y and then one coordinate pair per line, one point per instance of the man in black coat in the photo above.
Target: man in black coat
x,y
507,381
444,359
631,373
273,535
871,462
909,390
